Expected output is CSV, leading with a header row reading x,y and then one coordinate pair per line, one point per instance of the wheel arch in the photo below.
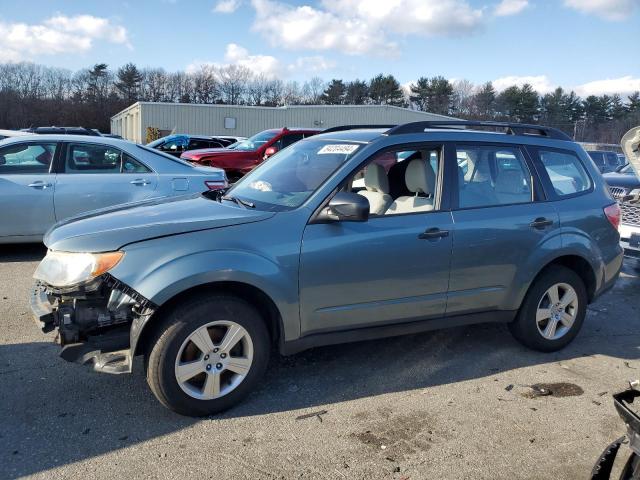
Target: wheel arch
x,y
265,305
577,263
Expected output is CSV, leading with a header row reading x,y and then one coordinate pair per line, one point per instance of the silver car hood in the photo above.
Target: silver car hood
x,y
112,228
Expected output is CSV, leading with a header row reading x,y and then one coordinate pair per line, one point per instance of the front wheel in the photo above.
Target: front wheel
x,y
207,355
552,312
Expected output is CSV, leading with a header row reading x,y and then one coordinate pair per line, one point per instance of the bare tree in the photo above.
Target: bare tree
x,y
233,81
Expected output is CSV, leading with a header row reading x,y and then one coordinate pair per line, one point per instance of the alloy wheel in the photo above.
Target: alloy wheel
x,y
557,311
214,359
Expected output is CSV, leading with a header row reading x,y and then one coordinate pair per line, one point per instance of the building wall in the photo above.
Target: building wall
x,y
133,122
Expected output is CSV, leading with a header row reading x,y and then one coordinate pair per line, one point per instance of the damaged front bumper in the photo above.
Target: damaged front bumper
x,y
98,323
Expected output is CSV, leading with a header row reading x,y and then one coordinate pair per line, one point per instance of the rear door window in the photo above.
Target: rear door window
x,y
25,158
492,175
565,170
91,158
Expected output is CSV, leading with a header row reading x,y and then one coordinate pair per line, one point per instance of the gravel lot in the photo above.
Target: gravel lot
x,y
449,404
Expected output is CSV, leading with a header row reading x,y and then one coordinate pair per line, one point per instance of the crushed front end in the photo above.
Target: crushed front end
x,y
94,320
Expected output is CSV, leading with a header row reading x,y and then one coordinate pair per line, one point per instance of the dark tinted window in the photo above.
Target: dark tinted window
x,y
291,138
598,158
26,158
612,159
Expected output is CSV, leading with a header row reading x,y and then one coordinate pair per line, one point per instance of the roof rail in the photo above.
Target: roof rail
x,y
343,128
509,128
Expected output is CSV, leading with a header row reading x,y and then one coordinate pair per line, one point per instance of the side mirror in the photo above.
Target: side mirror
x,y
270,151
348,207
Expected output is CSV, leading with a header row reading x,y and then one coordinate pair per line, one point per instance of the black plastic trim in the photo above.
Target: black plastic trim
x,y
394,330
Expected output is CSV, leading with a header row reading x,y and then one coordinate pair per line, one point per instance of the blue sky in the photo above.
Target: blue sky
x,y
583,44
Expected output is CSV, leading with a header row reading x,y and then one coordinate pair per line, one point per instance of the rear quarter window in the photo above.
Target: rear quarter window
x,y
565,170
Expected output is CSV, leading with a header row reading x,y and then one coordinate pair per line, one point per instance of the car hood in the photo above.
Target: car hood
x,y
112,228
621,180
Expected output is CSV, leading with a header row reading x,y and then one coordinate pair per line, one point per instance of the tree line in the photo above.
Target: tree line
x,y
36,95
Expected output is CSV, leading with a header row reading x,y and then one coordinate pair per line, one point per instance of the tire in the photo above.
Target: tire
x,y
531,328
177,345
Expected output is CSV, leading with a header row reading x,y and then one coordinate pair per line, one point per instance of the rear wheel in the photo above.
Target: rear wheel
x,y
552,312
207,355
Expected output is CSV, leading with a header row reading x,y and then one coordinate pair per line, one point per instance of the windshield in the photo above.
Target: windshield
x,y
157,142
255,142
288,179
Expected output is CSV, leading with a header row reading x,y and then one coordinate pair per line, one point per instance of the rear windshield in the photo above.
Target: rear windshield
x,y
288,179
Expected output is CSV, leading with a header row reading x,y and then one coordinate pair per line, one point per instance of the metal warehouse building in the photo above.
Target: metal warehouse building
x,y
132,123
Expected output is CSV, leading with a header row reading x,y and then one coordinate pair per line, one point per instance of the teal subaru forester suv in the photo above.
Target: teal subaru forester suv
x,y
356,233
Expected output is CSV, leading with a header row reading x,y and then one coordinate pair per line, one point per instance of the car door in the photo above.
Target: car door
x,y
98,175
499,224
26,188
391,268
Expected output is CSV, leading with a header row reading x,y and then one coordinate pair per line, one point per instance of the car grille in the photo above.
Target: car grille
x,y
617,192
630,214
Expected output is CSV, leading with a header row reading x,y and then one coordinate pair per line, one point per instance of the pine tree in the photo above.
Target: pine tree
x,y
334,94
128,84
385,90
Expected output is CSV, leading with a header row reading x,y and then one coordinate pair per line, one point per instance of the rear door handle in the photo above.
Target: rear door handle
x,y
39,184
433,233
541,223
140,181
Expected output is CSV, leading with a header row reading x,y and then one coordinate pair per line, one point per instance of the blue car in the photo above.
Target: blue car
x,y
352,234
48,178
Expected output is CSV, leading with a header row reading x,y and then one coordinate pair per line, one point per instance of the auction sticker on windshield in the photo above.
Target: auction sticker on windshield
x,y
344,149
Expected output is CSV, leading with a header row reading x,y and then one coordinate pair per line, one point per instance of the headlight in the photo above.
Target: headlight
x,y
62,269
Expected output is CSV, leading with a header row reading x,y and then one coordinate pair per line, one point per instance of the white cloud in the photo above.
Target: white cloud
x,y
510,7
540,83
361,26
314,64
623,85
226,6
265,65
59,34
608,9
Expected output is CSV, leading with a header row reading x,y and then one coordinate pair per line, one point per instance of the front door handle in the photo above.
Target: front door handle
x,y
140,181
433,233
541,223
39,184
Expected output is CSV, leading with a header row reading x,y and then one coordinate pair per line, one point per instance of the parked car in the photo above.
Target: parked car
x,y
244,156
625,188
47,178
12,133
63,131
606,161
176,145
295,256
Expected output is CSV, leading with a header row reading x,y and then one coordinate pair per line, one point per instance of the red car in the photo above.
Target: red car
x,y
240,158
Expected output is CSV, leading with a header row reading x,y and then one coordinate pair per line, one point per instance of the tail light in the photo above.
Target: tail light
x,y
613,214
215,184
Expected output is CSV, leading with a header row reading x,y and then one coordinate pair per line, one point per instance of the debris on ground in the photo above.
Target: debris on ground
x,y
509,387
561,389
626,364
312,414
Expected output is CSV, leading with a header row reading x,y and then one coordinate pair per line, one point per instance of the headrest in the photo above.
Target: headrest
x,y
510,181
375,178
420,177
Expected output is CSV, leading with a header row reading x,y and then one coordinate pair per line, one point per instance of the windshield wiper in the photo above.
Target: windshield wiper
x,y
238,201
